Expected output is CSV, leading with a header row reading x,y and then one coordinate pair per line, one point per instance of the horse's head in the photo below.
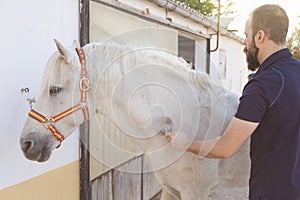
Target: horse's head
x,y
59,92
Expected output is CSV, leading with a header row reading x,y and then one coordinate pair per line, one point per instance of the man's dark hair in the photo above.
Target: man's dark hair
x,y
273,20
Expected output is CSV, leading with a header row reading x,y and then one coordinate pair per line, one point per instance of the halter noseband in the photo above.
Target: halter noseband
x,y
84,85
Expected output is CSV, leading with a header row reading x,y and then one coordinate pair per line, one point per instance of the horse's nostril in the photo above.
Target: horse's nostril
x,y
27,145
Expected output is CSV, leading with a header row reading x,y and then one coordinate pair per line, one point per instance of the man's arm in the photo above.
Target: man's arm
x,y
227,145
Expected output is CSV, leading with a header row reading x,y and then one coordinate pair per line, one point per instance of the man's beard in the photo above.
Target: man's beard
x,y
251,58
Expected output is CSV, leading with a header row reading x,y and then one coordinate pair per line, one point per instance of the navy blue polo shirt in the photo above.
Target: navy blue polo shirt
x,y
272,98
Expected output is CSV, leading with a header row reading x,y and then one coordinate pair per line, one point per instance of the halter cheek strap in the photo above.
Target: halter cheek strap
x,y
84,85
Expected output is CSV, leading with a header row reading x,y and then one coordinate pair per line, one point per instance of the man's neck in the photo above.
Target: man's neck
x,y
268,49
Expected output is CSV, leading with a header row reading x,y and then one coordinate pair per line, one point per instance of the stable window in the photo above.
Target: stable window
x,y
194,50
186,50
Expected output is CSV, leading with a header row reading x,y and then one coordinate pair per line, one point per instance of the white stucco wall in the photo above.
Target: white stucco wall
x,y
231,56
27,32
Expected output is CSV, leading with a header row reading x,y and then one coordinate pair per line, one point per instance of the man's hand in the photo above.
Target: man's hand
x,y
178,140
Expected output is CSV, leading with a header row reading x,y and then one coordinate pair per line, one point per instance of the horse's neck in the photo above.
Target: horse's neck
x,y
101,80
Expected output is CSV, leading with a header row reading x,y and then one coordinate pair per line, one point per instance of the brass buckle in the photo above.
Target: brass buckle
x,y
87,84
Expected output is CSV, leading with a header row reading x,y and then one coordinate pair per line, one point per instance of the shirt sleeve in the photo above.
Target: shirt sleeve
x,y
253,104
258,96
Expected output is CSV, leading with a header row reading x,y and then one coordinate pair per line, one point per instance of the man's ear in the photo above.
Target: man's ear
x,y
259,37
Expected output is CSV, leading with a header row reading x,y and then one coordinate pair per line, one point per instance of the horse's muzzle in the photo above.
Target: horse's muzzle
x,y
36,147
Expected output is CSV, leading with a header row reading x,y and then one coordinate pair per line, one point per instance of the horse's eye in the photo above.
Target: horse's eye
x,y
54,90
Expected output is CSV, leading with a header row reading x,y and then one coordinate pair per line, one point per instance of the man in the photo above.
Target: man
x,y
269,111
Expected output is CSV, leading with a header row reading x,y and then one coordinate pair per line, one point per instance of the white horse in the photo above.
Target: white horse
x,y
144,92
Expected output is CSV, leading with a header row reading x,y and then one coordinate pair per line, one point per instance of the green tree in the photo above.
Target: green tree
x,y
226,8
293,42
210,7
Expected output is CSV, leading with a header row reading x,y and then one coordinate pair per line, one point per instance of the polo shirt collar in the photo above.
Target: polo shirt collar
x,y
275,57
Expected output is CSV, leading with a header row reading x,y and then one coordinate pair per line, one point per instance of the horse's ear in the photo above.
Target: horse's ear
x,y
63,52
75,44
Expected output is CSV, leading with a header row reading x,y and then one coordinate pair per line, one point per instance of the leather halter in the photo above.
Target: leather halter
x,y
84,85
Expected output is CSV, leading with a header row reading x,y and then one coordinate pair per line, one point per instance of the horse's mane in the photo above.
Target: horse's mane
x,y
110,51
